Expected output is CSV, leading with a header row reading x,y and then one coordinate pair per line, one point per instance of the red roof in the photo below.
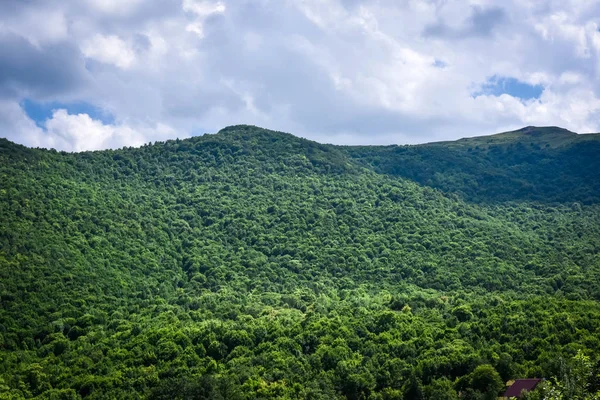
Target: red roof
x,y
520,385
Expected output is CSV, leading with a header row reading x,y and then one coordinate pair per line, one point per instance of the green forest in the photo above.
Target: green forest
x,y
253,264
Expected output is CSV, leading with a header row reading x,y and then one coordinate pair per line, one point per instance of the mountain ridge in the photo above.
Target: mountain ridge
x,y
527,164
536,131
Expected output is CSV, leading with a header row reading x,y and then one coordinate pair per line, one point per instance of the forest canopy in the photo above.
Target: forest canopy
x,y
255,264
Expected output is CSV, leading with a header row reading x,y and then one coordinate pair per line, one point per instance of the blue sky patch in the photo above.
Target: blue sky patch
x,y
40,112
498,85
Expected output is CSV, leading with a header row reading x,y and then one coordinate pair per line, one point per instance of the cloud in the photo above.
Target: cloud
x,y
44,25
202,10
80,132
480,23
114,7
49,70
77,132
343,71
484,20
17,126
110,50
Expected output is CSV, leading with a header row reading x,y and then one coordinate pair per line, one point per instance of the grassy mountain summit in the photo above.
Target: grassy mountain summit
x,y
255,264
550,136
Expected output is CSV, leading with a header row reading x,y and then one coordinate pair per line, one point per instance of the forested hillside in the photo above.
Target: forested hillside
x,y
255,264
545,165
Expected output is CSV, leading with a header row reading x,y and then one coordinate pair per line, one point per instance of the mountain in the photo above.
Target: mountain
x,y
255,264
547,165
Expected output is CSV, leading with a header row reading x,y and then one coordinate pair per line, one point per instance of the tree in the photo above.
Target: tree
x,y
413,389
440,389
486,380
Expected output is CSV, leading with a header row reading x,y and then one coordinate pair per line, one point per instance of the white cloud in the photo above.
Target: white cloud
x,y
202,10
109,49
80,132
569,77
76,132
115,7
43,26
16,126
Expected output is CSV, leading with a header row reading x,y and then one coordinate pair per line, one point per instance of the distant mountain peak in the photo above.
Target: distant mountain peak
x,y
241,127
545,130
245,132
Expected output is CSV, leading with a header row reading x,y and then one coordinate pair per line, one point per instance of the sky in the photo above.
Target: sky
x,y
81,75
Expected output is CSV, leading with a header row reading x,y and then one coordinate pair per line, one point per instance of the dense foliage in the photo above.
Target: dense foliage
x,y
253,264
546,165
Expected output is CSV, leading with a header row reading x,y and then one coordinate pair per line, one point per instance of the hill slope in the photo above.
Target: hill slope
x,y
254,264
546,165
